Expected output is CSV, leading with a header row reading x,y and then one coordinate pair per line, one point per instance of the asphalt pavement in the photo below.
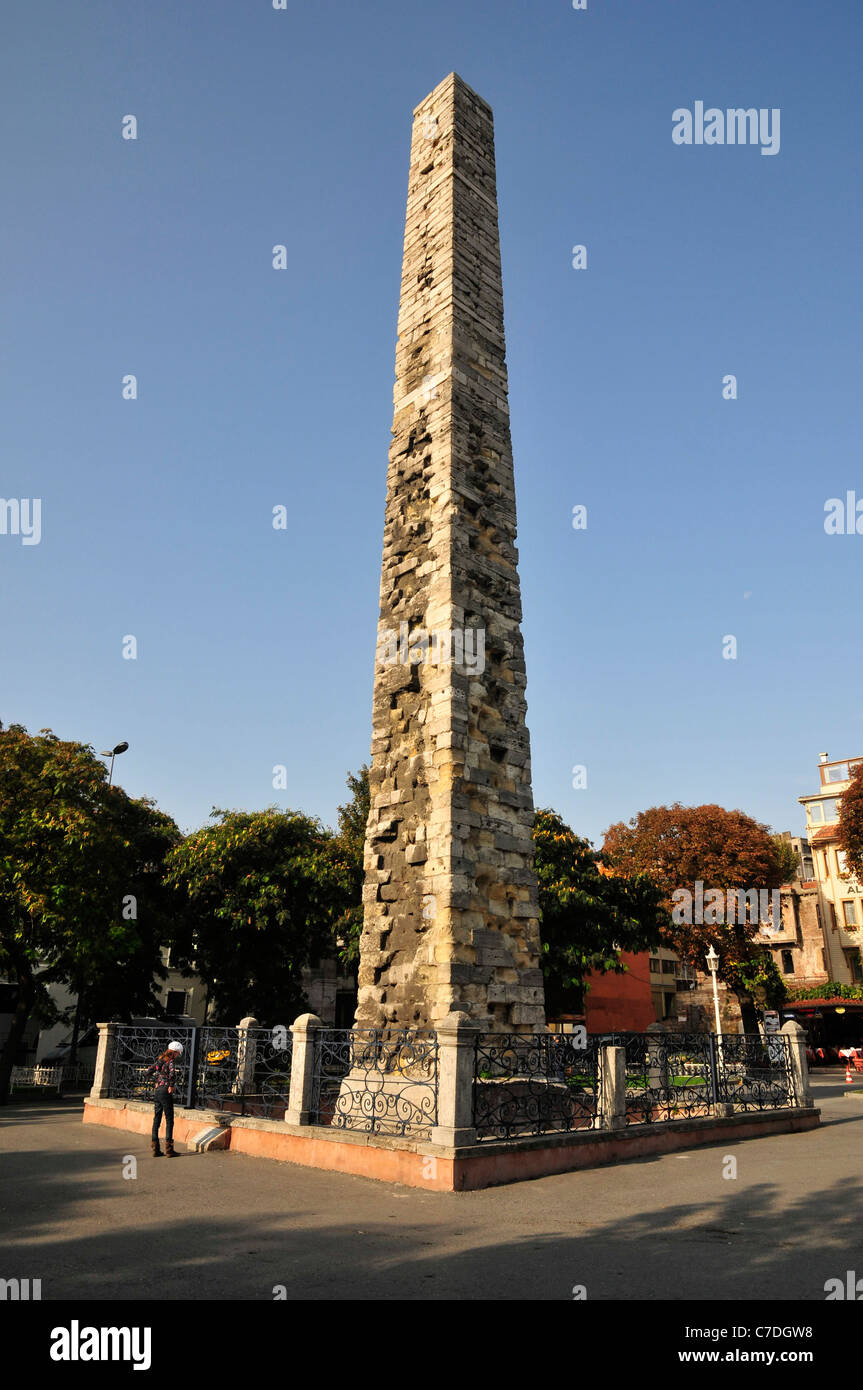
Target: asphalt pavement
x,y
227,1226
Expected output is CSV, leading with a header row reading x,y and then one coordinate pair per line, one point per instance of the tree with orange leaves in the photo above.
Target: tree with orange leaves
x,y
681,847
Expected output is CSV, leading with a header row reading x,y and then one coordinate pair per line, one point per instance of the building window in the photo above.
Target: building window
x,y
669,967
849,908
787,963
852,958
176,1001
815,811
830,808
837,773
654,965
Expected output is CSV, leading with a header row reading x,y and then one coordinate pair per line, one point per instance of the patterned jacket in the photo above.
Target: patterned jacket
x,y
166,1073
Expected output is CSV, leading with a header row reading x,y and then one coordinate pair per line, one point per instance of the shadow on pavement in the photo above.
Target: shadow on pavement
x,y
230,1227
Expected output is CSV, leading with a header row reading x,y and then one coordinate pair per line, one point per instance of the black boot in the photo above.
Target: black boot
x,y
157,1152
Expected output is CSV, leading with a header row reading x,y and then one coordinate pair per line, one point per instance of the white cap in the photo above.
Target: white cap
x,y
175,1047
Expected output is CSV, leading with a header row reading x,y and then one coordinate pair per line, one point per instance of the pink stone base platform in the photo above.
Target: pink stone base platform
x,y
419,1164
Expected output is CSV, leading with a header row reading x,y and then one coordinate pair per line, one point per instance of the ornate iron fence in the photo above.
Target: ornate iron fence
x,y
754,1072
534,1084
546,1083
669,1076
136,1048
386,1081
245,1071
380,1081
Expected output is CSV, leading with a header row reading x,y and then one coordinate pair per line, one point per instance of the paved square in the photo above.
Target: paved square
x,y
230,1227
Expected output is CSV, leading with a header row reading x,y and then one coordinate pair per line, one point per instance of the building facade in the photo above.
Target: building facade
x,y
839,894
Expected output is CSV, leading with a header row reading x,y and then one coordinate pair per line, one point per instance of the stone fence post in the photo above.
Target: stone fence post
x,y
613,1097
101,1087
300,1101
246,1053
799,1065
656,1059
456,1035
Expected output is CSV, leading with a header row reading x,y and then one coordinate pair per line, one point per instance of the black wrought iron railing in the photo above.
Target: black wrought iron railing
x,y
754,1072
136,1048
669,1076
385,1081
380,1081
547,1083
244,1071
534,1084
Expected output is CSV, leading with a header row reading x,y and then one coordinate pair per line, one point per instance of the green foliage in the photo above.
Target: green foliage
x,y
587,915
787,859
264,892
762,979
832,989
353,818
73,853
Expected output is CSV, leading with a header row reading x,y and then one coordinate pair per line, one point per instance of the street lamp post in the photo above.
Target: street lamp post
x,y
713,966
719,1066
79,985
112,753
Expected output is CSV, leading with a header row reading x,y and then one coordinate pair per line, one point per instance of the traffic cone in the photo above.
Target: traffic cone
x,y
848,1077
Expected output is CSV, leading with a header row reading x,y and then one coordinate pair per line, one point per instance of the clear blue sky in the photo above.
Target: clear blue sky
x,y
257,387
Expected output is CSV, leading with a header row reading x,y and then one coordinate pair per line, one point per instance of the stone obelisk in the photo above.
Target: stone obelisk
x,y
450,898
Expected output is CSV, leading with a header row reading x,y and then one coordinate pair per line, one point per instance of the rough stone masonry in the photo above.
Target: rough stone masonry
x,y
450,915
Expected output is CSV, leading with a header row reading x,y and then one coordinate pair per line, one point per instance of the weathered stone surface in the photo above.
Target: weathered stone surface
x,y
450,886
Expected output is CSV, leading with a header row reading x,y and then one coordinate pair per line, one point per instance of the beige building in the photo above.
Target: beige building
x,y
796,942
330,993
671,981
840,894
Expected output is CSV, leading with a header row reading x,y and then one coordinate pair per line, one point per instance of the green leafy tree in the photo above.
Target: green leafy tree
x,y
81,894
787,859
588,915
264,891
761,978
353,818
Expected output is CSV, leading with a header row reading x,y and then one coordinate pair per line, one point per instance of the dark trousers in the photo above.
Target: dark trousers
x,y
164,1104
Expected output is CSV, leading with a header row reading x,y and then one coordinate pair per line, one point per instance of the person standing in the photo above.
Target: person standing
x,y
167,1076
